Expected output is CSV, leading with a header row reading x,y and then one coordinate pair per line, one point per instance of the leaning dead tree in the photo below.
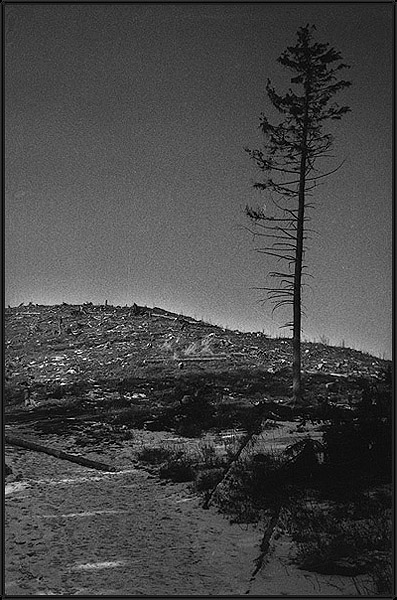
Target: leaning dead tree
x,y
291,171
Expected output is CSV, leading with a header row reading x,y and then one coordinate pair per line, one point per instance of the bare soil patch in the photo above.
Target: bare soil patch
x,y
71,530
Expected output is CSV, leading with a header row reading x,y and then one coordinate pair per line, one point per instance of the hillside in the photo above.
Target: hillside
x,y
67,342
142,356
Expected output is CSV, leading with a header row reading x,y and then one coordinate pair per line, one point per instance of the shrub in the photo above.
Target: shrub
x,y
208,478
134,416
382,576
13,394
341,539
189,418
178,469
205,467
232,413
172,464
256,484
155,455
363,448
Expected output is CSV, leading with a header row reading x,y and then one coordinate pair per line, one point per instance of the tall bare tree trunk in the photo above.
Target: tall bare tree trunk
x,y
291,148
297,297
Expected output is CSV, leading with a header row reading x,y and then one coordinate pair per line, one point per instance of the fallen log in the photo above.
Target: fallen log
x,y
244,443
265,544
157,316
80,460
215,357
204,358
255,430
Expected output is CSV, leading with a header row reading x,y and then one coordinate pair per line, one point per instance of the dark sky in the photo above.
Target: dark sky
x,y
126,177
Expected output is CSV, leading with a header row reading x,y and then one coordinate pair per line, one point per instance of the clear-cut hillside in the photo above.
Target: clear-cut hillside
x,y
68,343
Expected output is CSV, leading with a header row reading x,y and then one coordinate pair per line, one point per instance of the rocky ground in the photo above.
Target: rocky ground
x,y
67,343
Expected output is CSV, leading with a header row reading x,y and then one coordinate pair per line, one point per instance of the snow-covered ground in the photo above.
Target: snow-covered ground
x,y
77,531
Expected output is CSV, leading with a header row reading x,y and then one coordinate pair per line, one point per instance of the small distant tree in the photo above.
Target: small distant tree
x,y
289,163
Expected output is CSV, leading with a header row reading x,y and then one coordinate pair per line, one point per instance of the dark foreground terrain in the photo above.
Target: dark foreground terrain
x,y
144,388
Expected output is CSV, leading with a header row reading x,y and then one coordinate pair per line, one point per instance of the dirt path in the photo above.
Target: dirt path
x,y
71,530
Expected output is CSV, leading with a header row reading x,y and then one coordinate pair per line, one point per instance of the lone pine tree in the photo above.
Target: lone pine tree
x,y
289,162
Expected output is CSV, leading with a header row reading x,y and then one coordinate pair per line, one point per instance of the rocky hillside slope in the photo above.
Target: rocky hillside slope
x,y
138,359
66,343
